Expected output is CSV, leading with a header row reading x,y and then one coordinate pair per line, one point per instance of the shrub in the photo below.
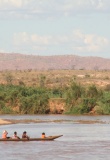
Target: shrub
x,y
6,110
92,91
107,88
103,109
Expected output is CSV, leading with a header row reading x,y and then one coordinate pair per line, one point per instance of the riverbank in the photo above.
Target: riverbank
x,y
2,122
26,121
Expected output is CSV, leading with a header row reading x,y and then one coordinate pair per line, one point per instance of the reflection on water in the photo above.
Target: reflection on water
x,y
87,141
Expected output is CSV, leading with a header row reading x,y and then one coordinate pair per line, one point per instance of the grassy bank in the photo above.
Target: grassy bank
x,y
44,92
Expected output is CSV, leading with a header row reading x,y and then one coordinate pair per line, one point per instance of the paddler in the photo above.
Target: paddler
x,y
43,135
4,135
24,135
15,136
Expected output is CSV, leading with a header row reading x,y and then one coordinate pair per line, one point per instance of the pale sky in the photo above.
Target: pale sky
x,y
55,27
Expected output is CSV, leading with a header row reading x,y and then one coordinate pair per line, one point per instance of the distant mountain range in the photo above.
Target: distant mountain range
x,y
15,61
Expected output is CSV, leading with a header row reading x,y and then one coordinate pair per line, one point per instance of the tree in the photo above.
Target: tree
x,y
92,91
9,78
42,79
74,93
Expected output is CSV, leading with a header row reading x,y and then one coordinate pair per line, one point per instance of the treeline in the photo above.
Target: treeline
x,y
26,100
35,100
81,100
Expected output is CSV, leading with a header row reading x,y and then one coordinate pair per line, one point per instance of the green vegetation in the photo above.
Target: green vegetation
x,y
79,99
23,100
29,92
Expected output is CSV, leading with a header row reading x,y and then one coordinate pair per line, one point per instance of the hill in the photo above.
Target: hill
x,y
15,61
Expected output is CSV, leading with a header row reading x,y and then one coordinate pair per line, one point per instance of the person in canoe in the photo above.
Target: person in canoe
x,y
4,135
43,135
15,136
24,135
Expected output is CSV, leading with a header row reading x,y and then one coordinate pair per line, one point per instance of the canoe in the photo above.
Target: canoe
x,y
50,138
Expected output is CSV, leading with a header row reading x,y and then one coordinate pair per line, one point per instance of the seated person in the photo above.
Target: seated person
x,y
24,135
4,135
43,135
15,136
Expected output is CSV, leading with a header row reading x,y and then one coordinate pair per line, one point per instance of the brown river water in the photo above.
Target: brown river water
x,y
84,137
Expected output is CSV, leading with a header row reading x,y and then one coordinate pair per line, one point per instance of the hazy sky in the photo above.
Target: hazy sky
x,y
55,27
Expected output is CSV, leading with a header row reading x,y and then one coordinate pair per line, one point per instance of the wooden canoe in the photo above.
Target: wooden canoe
x,y
50,138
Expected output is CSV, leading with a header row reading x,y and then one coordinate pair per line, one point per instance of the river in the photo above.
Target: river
x,y
84,137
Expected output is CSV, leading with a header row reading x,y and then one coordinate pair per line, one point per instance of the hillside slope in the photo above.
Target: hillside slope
x,y
16,61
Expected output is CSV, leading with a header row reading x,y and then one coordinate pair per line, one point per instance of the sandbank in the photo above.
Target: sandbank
x,y
4,122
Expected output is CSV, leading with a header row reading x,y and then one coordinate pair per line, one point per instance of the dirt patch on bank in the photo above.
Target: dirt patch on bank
x,y
4,122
